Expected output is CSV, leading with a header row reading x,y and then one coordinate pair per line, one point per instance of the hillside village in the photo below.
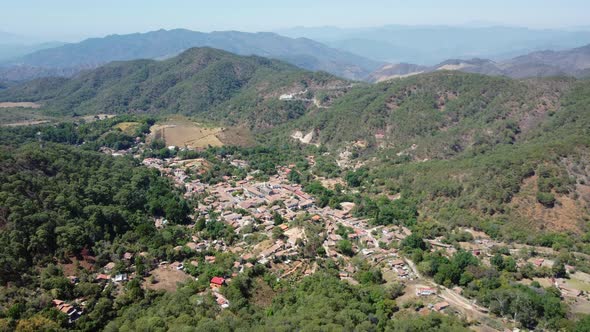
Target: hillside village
x,y
268,166
279,225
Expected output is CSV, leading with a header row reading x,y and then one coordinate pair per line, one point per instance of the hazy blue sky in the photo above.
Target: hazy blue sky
x,y
73,19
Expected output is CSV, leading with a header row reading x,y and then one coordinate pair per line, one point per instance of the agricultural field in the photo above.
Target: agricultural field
x,y
128,128
189,135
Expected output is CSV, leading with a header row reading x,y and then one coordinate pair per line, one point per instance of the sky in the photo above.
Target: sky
x,y
71,20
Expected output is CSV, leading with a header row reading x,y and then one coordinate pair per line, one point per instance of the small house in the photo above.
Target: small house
x,y
102,277
425,291
217,282
210,259
121,277
441,306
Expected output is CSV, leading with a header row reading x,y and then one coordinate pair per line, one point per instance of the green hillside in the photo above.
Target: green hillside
x,y
509,157
200,81
488,152
443,113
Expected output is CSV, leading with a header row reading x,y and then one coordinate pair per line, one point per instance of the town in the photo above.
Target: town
x,y
276,224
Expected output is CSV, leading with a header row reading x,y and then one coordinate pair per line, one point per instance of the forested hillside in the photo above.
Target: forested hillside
x,y
432,158
58,201
509,157
201,81
442,113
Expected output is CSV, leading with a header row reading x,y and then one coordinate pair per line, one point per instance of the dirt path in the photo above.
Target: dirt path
x,y
463,304
413,267
461,301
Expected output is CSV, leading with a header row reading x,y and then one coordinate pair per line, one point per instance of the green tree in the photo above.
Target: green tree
x,y
558,269
498,261
345,247
413,241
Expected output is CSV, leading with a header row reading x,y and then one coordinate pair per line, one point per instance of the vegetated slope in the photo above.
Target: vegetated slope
x,y
16,74
442,113
537,185
462,146
574,62
201,81
160,44
58,200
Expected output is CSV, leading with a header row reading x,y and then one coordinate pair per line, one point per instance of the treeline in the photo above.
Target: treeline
x,y
92,135
318,302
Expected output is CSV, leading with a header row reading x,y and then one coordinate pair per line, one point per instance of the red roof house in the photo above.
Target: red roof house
x,y
217,282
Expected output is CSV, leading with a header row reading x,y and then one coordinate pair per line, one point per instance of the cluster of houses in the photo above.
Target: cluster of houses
x,y
68,309
251,203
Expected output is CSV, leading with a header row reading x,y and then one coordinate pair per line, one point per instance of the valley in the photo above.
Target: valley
x,y
215,191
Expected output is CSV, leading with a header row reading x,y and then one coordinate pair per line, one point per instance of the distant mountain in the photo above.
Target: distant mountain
x,y
163,44
16,74
13,45
200,81
574,62
428,45
11,51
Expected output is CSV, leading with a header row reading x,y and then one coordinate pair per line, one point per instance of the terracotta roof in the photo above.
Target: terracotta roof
x,y
217,281
441,305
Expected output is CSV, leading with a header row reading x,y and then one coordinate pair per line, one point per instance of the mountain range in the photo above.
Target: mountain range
x,y
574,62
163,44
357,54
429,45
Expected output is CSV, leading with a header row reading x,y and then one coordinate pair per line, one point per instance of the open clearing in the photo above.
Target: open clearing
x,y
566,216
186,133
14,117
128,128
26,123
19,105
167,277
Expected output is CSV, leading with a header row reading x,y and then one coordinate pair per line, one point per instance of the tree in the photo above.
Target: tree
x,y
498,261
200,224
277,218
36,323
294,176
277,233
413,241
547,199
558,269
583,325
510,264
345,247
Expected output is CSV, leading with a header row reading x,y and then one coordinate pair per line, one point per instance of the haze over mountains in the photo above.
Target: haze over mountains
x,y
370,54
429,45
574,62
163,44
13,46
